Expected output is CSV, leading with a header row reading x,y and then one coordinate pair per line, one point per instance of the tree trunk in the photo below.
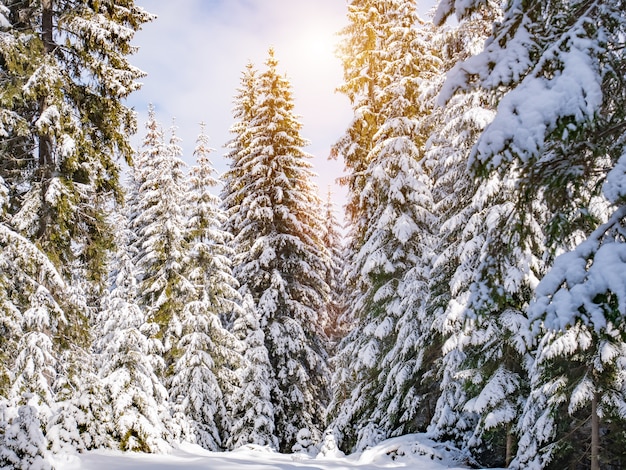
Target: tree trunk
x,y
595,434
509,446
45,142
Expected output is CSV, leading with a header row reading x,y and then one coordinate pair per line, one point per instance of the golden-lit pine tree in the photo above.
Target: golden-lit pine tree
x,y
280,257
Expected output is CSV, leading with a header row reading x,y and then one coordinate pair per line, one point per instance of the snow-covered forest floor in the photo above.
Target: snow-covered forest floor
x,y
412,452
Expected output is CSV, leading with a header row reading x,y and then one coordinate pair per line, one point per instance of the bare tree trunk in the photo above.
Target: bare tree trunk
x,y
45,142
509,446
595,434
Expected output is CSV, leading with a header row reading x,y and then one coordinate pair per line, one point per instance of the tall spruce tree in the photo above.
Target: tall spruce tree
x,y
64,125
203,376
392,239
553,164
462,228
251,404
134,411
234,179
280,257
159,224
67,74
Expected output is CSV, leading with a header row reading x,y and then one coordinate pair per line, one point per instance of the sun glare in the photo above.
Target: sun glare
x,y
318,47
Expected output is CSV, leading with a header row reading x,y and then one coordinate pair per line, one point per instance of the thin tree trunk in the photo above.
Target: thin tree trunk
x,y
45,143
509,446
595,434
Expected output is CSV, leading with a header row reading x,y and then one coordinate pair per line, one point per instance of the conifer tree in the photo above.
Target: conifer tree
x,y
64,125
555,163
396,215
203,376
67,74
22,443
159,225
456,127
251,404
362,58
234,179
135,410
280,257
336,305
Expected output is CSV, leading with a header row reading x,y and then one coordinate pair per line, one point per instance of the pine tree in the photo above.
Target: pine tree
x,y
396,215
462,215
251,404
159,225
234,179
335,327
22,444
280,257
362,57
555,163
135,411
203,376
67,74
64,124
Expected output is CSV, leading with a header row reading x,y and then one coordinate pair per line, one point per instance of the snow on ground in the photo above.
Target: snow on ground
x,y
411,452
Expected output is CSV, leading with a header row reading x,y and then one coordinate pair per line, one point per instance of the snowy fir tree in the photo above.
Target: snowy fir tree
x,y
64,124
135,412
203,375
336,306
395,204
538,145
361,58
64,112
159,224
280,257
463,207
251,404
22,443
234,180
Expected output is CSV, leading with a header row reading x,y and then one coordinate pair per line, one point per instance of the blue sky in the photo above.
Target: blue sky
x,y
194,54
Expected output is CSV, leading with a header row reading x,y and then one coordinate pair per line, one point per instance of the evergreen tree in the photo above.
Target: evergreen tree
x,y
462,215
551,153
63,121
395,219
251,404
203,374
135,411
336,306
159,224
22,443
362,57
280,257
234,179
67,74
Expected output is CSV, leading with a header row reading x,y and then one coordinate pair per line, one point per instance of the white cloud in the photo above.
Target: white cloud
x,y
195,51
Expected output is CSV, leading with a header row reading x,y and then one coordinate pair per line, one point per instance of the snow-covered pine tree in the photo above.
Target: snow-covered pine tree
x,y
22,443
555,152
64,124
159,225
508,242
35,308
577,373
456,127
135,411
362,58
251,404
280,257
335,327
203,376
233,179
65,119
393,240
